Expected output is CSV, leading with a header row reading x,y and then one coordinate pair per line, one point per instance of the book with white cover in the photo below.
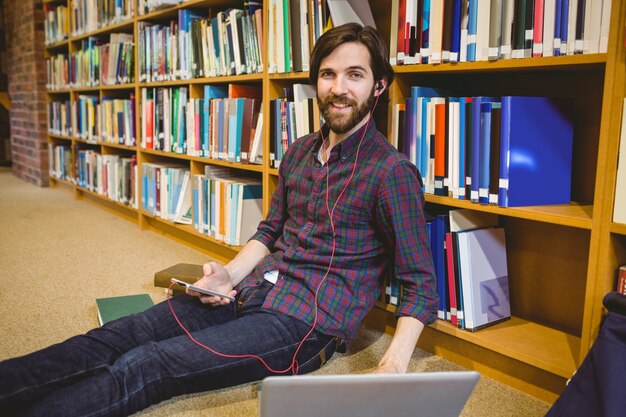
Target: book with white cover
x,y
619,209
484,277
347,11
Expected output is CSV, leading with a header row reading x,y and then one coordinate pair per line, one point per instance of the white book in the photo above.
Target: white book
x,y
549,14
304,35
454,149
605,26
256,150
435,36
619,208
393,35
484,277
482,30
410,21
593,20
570,45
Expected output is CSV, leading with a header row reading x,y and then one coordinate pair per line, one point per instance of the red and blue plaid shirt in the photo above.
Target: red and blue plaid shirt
x,y
378,223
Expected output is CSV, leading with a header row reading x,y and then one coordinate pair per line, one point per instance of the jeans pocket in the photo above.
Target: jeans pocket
x,y
253,295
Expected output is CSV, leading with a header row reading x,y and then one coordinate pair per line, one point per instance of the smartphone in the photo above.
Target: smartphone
x,y
202,290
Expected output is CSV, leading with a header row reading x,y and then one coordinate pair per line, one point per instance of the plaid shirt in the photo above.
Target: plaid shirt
x,y
378,223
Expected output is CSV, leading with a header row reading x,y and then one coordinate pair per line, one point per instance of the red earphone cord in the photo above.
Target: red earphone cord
x,y
294,364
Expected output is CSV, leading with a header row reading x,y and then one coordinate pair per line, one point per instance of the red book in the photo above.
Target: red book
x,y
621,280
451,279
538,29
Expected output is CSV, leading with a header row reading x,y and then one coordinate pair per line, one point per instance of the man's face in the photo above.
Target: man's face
x,y
345,88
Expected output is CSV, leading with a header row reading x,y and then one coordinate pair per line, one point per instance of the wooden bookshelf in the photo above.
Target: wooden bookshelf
x,y
562,258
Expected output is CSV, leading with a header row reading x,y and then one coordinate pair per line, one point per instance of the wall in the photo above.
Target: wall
x,y
26,82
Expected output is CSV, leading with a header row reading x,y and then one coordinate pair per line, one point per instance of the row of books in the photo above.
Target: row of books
x,y
470,262
430,31
96,63
225,124
91,15
197,46
110,120
60,161
56,23
293,116
112,176
469,255
508,151
166,191
226,206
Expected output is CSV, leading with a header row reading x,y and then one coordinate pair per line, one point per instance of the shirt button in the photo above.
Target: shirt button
x,y
318,165
344,157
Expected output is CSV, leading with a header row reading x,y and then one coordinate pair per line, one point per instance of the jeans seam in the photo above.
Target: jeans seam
x,y
53,381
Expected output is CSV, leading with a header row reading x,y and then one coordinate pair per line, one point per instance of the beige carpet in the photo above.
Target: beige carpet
x,y
58,254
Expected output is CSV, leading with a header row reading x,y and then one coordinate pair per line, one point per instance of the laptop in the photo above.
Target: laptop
x,y
426,394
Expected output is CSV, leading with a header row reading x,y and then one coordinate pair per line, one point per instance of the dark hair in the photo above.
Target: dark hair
x,y
352,32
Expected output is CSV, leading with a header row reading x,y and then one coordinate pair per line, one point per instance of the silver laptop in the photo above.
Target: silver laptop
x,y
427,394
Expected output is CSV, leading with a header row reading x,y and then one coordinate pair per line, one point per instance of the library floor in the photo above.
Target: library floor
x,y
65,253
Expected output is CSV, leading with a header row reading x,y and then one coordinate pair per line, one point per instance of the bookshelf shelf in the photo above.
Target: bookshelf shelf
x,y
124,26
540,346
84,190
568,62
172,11
57,45
61,137
618,228
572,215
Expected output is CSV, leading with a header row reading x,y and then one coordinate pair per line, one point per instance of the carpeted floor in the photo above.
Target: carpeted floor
x,y
58,254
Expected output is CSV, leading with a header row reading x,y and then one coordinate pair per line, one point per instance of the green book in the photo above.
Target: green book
x,y
112,308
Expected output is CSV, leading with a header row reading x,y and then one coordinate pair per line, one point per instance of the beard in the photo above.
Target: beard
x,y
345,122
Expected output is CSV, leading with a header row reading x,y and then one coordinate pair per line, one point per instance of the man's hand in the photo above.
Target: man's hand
x,y
396,358
215,278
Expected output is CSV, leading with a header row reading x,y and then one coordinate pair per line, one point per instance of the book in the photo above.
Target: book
x,y
621,280
113,308
484,277
536,140
183,271
347,11
619,208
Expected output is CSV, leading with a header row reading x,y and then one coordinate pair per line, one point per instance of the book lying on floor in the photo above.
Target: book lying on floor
x,y
113,308
185,272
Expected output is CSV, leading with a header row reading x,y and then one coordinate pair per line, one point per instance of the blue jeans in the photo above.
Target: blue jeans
x,y
140,360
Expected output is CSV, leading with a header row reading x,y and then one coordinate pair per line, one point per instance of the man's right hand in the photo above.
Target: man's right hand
x,y
215,278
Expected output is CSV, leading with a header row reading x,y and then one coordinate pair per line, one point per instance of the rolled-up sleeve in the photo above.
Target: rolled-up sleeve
x,y
401,212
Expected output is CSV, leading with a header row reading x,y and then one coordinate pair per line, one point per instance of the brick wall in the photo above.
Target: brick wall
x,y
27,82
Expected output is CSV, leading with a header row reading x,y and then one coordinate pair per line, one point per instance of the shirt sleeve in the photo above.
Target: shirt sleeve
x,y
271,228
401,212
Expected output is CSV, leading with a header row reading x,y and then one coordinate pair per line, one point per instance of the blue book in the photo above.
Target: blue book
x,y
537,135
437,247
424,49
484,151
564,26
557,28
475,140
455,39
410,130
472,28
235,111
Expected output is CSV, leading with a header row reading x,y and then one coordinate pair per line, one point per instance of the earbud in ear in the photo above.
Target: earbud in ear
x,y
380,86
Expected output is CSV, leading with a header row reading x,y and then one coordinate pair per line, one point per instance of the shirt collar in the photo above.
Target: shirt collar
x,y
347,146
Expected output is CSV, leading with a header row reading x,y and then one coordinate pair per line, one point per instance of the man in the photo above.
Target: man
x,y
347,209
